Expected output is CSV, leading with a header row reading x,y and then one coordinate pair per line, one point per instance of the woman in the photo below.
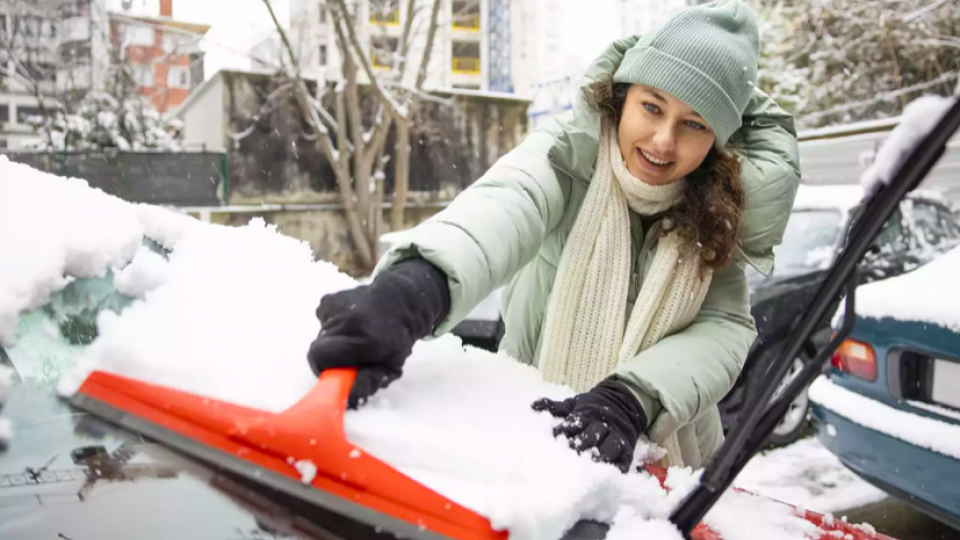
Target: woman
x,y
622,236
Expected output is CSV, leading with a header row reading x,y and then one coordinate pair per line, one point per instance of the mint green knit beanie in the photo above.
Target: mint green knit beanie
x,y
705,56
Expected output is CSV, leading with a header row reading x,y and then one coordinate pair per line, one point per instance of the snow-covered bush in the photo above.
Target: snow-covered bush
x,y
102,122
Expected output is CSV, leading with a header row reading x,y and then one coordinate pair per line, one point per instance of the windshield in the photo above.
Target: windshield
x,y
809,241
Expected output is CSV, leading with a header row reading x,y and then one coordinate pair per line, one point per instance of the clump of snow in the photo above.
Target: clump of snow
x,y
6,381
915,296
807,474
744,515
234,316
307,470
942,437
241,303
145,273
919,118
56,230
355,454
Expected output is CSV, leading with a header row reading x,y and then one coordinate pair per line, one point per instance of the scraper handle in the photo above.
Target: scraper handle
x,y
334,385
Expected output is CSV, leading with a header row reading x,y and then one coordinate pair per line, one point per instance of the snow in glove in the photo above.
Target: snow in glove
x,y
606,421
373,327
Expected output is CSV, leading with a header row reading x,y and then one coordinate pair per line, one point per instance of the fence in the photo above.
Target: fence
x,y
163,178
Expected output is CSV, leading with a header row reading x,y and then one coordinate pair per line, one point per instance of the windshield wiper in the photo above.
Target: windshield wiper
x,y
761,413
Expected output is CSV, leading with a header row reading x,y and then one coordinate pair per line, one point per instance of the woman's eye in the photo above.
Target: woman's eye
x,y
651,107
696,125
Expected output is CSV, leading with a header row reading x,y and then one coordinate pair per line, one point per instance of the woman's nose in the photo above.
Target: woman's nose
x,y
665,140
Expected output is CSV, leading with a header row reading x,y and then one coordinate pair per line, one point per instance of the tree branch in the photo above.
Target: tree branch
x,y
431,36
361,58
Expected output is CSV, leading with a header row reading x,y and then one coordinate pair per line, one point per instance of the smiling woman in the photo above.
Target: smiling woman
x,y
621,234
663,140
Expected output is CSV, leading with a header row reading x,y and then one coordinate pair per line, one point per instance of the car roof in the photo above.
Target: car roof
x,y
828,197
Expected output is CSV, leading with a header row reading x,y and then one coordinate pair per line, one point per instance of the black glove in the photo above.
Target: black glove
x,y
608,418
373,327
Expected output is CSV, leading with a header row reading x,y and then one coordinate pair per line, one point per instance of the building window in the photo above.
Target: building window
x,y
4,112
138,35
323,13
466,15
178,77
3,144
143,75
40,71
382,51
466,58
385,12
26,113
323,55
3,24
170,43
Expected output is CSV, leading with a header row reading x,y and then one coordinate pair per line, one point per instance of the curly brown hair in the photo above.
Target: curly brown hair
x,y
712,209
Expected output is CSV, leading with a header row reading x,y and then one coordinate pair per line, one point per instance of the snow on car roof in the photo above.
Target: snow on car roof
x,y
917,295
841,197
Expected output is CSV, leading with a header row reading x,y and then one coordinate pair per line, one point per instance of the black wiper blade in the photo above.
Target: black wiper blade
x,y
761,413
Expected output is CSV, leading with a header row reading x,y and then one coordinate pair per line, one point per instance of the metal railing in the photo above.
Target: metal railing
x,y
470,23
391,18
466,65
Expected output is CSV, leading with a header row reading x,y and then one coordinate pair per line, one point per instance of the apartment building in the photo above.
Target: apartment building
x,y
52,49
164,54
461,51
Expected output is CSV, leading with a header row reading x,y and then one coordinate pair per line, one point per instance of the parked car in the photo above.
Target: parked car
x,y
923,227
890,406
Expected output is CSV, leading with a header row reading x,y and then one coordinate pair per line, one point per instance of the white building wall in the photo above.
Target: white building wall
x,y
204,124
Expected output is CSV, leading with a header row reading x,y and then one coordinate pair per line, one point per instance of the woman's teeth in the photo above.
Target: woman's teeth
x,y
654,160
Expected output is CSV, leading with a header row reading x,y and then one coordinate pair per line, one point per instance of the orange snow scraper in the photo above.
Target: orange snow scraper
x,y
303,453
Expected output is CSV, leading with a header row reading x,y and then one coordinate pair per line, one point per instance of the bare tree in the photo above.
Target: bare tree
x,y
356,151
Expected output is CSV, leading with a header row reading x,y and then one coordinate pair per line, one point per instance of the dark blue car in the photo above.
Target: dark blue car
x,y
890,407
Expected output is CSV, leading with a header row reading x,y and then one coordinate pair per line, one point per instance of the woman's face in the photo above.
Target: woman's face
x,y
661,138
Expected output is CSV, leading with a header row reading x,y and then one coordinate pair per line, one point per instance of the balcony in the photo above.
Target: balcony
x,y
466,16
385,12
466,65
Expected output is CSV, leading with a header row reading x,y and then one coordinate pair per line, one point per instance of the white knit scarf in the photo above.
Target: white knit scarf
x,y
585,335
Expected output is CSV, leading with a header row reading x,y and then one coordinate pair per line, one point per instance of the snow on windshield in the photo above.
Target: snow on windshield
x,y
228,312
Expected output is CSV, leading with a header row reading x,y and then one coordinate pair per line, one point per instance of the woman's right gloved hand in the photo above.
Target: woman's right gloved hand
x,y
373,327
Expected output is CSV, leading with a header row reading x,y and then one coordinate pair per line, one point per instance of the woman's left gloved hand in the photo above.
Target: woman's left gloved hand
x,y
608,418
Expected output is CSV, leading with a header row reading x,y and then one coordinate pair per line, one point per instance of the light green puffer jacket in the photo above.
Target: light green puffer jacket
x,y
510,227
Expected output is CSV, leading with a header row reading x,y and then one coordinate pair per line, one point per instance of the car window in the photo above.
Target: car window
x,y
892,239
50,338
932,228
809,241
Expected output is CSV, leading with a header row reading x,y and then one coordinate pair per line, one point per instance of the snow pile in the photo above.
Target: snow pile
x,y
241,304
941,437
919,118
915,296
55,230
807,475
229,313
